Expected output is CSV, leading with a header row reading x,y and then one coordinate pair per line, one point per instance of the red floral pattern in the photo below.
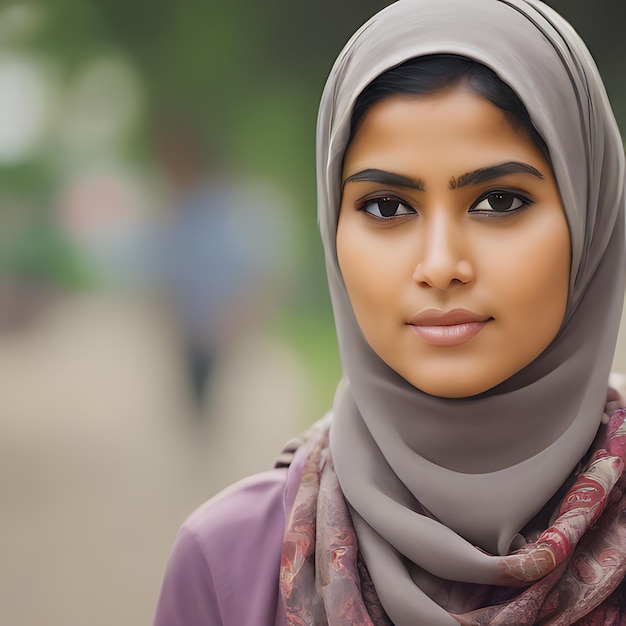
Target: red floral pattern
x,y
572,574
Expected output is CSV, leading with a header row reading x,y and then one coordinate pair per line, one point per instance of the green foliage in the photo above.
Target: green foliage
x,y
40,254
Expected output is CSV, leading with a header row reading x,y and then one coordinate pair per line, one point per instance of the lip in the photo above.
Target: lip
x,y
448,328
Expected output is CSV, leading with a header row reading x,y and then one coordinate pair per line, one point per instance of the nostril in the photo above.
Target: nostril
x,y
443,275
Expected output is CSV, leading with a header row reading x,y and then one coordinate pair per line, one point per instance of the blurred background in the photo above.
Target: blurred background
x,y
164,318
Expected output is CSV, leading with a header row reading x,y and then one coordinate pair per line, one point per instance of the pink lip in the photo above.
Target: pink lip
x,y
449,328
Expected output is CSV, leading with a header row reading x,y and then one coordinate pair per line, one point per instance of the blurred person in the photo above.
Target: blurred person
x,y
471,201
220,252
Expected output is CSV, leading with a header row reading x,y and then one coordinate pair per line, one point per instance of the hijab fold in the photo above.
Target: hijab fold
x,y
439,485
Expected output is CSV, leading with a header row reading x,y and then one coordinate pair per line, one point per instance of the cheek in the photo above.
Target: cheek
x,y
371,272
535,278
356,259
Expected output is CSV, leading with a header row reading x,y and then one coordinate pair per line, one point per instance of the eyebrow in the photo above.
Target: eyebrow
x,y
481,175
384,178
485,174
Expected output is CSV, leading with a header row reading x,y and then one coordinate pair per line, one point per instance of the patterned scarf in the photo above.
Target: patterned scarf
x,y
572,573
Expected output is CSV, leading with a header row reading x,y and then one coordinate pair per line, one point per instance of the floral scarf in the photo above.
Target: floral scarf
x,y
572,573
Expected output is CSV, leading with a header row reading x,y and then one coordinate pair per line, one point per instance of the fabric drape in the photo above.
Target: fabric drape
x,y
437,486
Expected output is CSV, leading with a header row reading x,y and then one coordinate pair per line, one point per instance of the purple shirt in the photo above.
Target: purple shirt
x,y
224,567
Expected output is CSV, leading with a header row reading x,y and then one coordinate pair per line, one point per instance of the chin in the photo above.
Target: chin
x,y
452,392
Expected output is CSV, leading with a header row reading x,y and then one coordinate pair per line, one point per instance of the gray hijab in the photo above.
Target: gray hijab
x,y
427,478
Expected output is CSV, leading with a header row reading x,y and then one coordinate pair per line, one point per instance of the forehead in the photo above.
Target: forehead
x,y
455,127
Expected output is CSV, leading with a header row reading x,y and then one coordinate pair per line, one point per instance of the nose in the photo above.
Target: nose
x,y
443,255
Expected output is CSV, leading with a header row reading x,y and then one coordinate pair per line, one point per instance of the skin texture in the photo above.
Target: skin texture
x,y
445,247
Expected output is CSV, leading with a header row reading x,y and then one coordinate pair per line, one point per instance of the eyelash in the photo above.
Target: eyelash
x,y
490,214
524,200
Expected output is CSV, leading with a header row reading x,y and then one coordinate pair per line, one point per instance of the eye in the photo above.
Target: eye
x,y
386,208
500,202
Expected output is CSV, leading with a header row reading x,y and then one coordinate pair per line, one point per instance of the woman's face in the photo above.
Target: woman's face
x,y
452,242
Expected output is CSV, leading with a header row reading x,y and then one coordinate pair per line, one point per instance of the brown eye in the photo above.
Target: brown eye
x,y
386,208
500,202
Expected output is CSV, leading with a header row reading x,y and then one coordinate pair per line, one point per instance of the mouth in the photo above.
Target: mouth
x,y
448,328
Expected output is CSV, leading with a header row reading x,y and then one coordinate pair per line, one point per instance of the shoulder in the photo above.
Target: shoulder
x,y
246,506
224,566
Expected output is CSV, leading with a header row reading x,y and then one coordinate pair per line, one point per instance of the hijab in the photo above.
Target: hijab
x,y
435,486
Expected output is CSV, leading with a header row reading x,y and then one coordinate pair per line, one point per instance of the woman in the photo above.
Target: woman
x,y
471,204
